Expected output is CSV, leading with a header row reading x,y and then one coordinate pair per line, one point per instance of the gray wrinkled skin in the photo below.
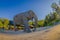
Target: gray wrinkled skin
x,y
23,18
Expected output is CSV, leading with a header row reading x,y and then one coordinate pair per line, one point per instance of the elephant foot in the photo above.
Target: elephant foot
x,y
34,30
27,31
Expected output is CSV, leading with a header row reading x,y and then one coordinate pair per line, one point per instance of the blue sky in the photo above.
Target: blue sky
x,y
9,8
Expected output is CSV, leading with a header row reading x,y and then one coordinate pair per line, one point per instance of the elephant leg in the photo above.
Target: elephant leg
x,y
26,26
14,25
34,29
36,20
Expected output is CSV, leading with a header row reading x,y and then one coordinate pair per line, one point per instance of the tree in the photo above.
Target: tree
x,y
47,19
53,16
5,23
40,23
1,24
56,8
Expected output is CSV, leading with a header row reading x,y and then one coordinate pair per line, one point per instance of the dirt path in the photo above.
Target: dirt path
x,y
49,34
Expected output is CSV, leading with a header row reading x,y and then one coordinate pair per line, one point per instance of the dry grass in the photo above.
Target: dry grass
x,y
49,34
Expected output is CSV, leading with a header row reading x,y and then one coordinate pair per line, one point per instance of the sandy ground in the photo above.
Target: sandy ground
x,y
48,34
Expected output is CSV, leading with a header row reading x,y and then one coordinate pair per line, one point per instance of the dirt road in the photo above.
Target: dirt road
x,y
49,34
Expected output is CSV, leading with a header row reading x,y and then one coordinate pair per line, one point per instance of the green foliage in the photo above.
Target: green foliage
x,y
41,23
4,23
55,14
54,5
30,23
1,25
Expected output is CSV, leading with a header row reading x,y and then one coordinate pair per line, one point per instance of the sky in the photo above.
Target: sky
x,y
9,8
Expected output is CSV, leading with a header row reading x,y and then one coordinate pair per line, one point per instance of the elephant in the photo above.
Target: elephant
x,y
23,19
